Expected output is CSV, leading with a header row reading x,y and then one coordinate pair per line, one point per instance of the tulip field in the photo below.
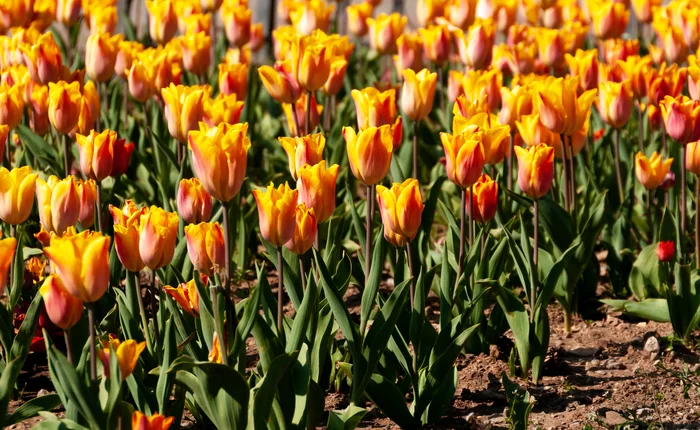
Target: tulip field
x,y
367,214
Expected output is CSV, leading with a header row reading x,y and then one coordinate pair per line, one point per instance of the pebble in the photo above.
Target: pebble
x,y
644,412
613,418
614,365
43,392
652,344
590,365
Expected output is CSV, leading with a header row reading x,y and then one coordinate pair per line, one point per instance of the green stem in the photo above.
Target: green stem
x,y
142,311
217,323
93,352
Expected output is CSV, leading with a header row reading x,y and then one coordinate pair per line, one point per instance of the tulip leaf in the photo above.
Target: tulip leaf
x,y
371,286
517,318
355,217
32,408
44,153
292,284
164,387
347,419
644,276
557,223
18,275
390,400
264,391
303,317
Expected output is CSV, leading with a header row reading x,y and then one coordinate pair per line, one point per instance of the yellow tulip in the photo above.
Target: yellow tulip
x,y
12,105
651,171
533,132
63,309
475,48
493,135
311,15
233,79
82,263
303,150
437,43
643,9
126,234
479,83
615,103
139,421
157,237
417,93
374,108
401,207
196,52
8,247
305,230
311,61
464,156
88,195
193,202
205,247
103,154
369,152
125,57
299,109
409,53
68,11
58,202
184,109
141,80
187,296
336,77
460,13
692,157
516,104
609,18
16,194
127,354
384,31
43,59
280,82
551,46
535,169
428,10
484,198
101,18
276,213
219,158
682,118
64,105
357,15
101,55
222,109
237,23
561,109
585,65
163,20
316,186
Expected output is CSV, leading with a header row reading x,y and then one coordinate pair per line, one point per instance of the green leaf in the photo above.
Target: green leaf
x,y
44,153
303,317
644,277
651,309
264,392
369,293
347,419
518,321
557,223
164,386
32,408
390,400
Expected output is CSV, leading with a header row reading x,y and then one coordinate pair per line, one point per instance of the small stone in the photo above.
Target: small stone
x,y
614,365
644,412
583,352
652,344
642,324
613,418
43,392
591,365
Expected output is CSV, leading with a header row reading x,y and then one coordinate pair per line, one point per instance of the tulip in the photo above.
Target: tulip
x,y
205,246
681,118
535,169
298,113
533,132
4,133
336,78
316,186
460,13
196,55
303,150
196,23
464,156
409,53
43,59
101,18
157,237
665,81
305,230
216,355
184,109
437,43
401,207
39,119
516,104
694,82
484,199
651,171
63,309
219,158
374,108
675,47
68,11
357,18
643,9
476,47
59,204
369,152
276,212
692,157
665,250
127,354
88,194
620,49
237,24
128,50
478,83
11,105
384,31
187,296
561,109
634,69
233,79
139,421
454,85
214,5
551,47
311,62
16,194
417,93
163,21
92,97
609,18
194,204
103,154
82,263
8,247
64,105
141,81
311,15
584,65
280,82
222,109
101,55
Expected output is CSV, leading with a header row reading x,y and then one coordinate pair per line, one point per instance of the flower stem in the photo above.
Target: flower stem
x,y
565,166
415,149
411,273
142,311
93,352
154,309
697,223
471,215
66,156
280,288
535,255
98,204
510,161
640,130
232,319
308,112
572,175
368,232
302,273
461,235
217,323
683,208
618,171
69,349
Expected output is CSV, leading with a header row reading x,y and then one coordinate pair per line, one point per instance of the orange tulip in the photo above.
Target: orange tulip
x,y
193,202
316,186
157,237
43,59
187,296
479,83
163,20
643,9
125,57
219,158
533,132
101,18
156,421
417,93
494,136
305,230
369,152
584,65
63,309
336,77
609,18
311,60
8,246
681,118
58,203
401,207
68,11
12,105
665,81
127,353
409,53
357,18
620,49
694,81
374,108
551,47
303,150
651,171
561,109
615,103
82,263
126,234
476,47
437,43
141,81
468,108
101,55
205,247
88,195
464,156
184,109
516,104
223,109
484,199
692,157
196,53
215,354
634,69
311,15
237,23
233,79
276,212
64,105
535,169
299,108
103,154
16,194
384,31
460,13
280,82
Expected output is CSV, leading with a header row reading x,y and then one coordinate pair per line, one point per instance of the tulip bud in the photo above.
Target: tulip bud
x,y
184,109
233,79
88,195
417,93
305,230
163,20
139,421
276,212
484,199
464,156
651,171
615,103
357,18
384,31
82,263
681,118
13,105
187,296
533,132
410,53
68,11
64,105
303,150
535,169
103,154
43,59
126,235
58,203
401,207
336,78
7,255
311,15
127,354
205,247
609,18
39,119
157,237
63,309
665,250
16,194
669,181
476,47
193,202
237,24
692,157
215,355
196,54
280,82
369,152
101,55
316,186
219,158
222,109
437,43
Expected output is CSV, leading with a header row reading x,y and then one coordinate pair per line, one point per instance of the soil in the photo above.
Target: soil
x,y
605,374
